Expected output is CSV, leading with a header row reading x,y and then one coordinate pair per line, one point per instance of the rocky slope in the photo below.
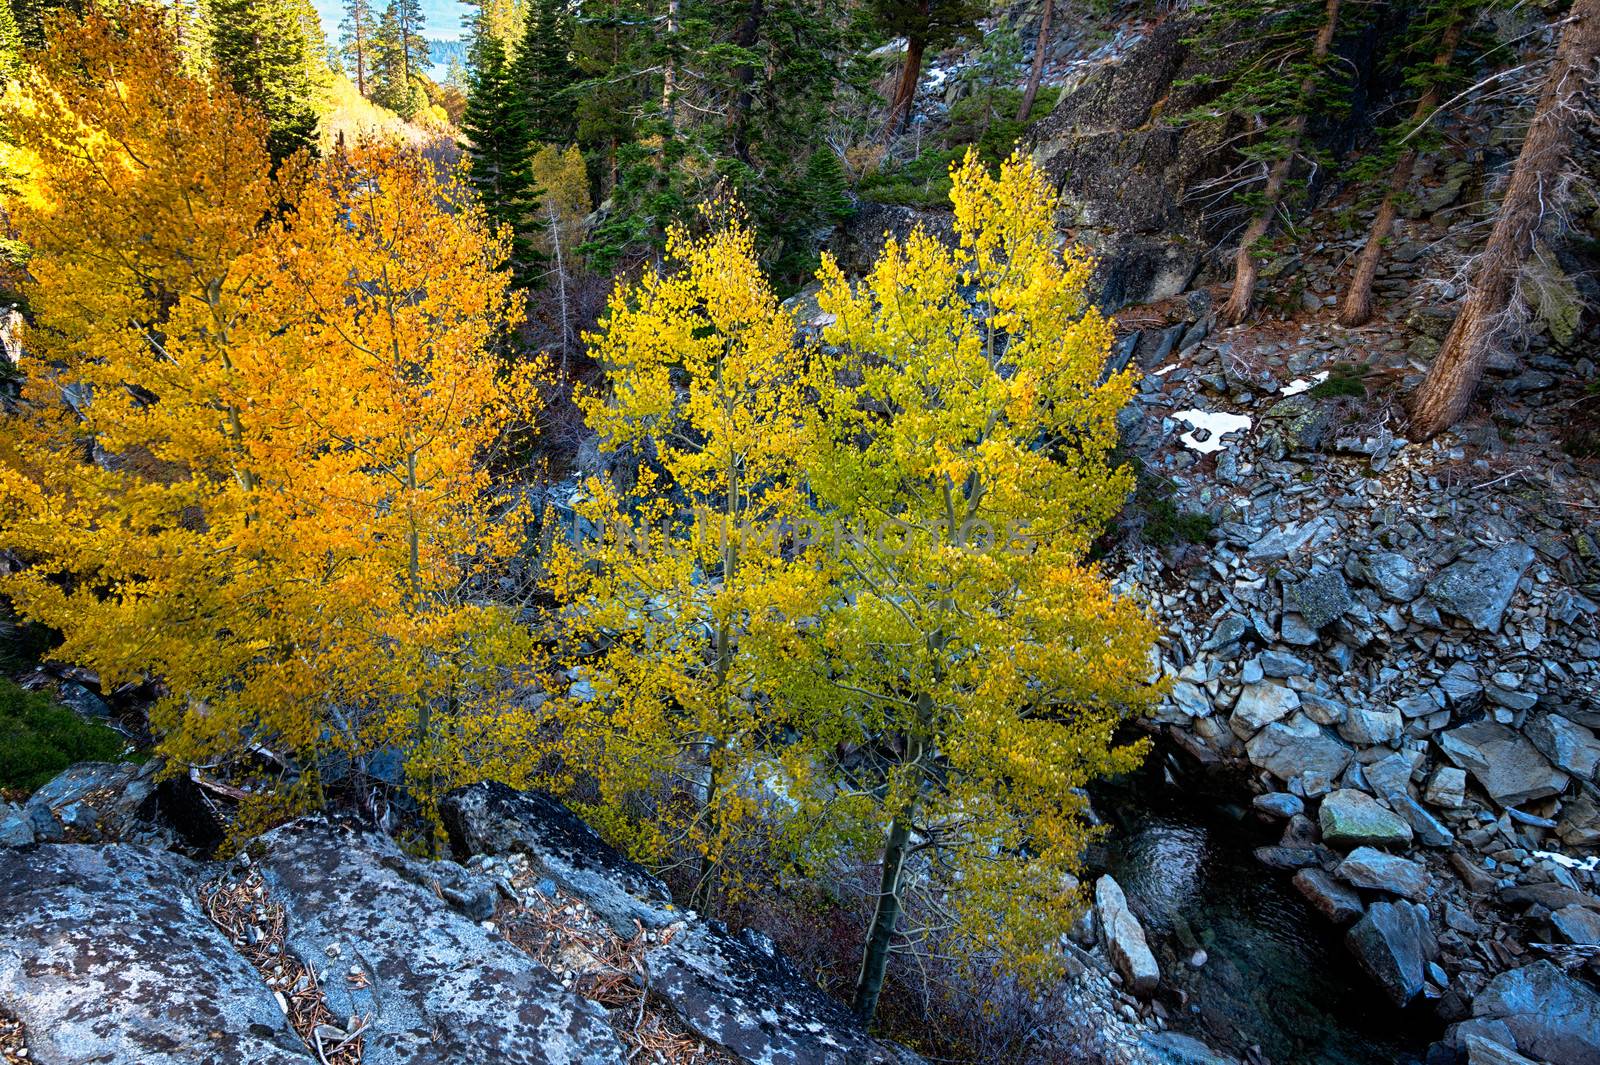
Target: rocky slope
x,y
322,941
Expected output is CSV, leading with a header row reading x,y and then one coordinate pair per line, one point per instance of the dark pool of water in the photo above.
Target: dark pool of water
x,y
1277,975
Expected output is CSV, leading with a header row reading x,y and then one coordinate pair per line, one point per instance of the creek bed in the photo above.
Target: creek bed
x,y
1277,975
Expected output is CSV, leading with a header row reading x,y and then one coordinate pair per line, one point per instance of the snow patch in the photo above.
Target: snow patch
x,y
1217,423
1588,865
1295,387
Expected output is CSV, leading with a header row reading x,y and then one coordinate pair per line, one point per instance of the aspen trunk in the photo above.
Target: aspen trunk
x,y
1244,260
1357,309
1454,375
905,91
875,958
1038,65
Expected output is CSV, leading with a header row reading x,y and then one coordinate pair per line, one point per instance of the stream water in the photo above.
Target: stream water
x,y
1276,975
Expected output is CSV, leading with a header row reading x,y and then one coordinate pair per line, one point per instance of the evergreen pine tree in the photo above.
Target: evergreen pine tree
x,y
263,50
544,72
924,24
10,42
390,87
499,145
414,57
359,29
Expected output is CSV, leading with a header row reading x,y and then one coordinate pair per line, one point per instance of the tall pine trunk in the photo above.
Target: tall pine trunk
x,y
1357,309
1455,372
745,36
905,90
1244,260
669,73
1034,74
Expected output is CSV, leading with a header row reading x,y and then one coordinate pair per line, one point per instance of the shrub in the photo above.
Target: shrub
x,y
39,738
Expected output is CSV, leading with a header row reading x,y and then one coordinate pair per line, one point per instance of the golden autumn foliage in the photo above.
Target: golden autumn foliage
x,y
251,463
660,593
902,640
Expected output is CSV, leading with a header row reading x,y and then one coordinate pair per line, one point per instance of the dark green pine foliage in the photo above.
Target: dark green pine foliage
x,y
1416,52
10,42
501,149
545,74
413,43
262,49
1271,80
753,84
387,85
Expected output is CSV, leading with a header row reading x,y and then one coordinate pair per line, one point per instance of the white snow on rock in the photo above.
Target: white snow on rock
x,y
1215,422
1299,385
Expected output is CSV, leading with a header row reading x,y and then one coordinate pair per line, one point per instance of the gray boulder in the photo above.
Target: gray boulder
x,y
1337,902
1377,871
1322,597
1354,818
738,992
1479,591
438,986
106,957
1553,1016
1481,1051
490,818
1393,575
1509,768
1300,750
1569,746
1394,944
1123,937
1259,705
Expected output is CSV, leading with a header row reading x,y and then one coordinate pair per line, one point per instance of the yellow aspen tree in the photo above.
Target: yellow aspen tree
x,y
964,431
250,463
665,583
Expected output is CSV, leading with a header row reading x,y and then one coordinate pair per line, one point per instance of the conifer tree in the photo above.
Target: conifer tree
x,y
10,42
1437,30
498,142
359,28
924,24
390,87
264,52
1491,307
413,45
1278,74
544,73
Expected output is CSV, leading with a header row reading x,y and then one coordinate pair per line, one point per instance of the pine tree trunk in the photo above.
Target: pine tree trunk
x,y
1038,65
1455,372
748,33
905,91
1244,260
1357,309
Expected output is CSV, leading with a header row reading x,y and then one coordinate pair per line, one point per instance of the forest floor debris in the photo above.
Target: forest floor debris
x,y
566,936
257,928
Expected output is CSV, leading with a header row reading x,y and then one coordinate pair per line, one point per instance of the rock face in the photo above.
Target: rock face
x,y
106,956
1123,937
1354,818
1553,1017
733,990
440,986
738,992
1123,171
1506,764
491,818
1394,945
